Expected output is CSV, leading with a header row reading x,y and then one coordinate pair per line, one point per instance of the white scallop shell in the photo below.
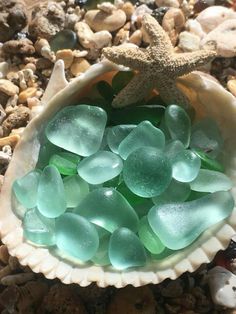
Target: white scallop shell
x,y
207,96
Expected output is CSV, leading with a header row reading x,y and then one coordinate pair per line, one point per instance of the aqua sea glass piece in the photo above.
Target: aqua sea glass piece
x,y
100,167
26,188
78,129
65,162
178,124
104,144
145,134
39,229
211,181
179,224
51,193
75,190
186,166
76,236
175,192
47,149
147,172
207,162
149,239
101,257
65,39
207,137
172,148
108,209
195,195
164,254
116,135
126,250
132,198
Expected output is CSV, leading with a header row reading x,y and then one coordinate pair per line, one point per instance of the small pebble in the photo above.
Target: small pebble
x,y
8,88
188,42
167,3
231,85
79,65
27,93
66,55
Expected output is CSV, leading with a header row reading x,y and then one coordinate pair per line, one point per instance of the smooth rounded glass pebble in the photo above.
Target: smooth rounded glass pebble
x,y
76,236
47,149
211,181
186,166
51,200
116,135
78,129
172,149
145,134
101,257
179,224
66,163
132,198
100,167
126,250
207,162
147,172
65,39
39,229
149,239
26,188
178,124
108,209
75,190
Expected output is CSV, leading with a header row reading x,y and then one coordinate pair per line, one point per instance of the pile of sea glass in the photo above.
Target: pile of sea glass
x,y
127,193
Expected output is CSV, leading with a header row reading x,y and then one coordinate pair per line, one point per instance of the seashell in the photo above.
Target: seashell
x,y
205,94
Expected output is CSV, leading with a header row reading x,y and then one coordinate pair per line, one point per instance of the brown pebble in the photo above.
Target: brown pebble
x,y
136,37
30,66
43,63
5,271
27,93
66,55
4,255
231,85
173,22
79,66
13,263
16,119
22,46
128,8
9,140
8,87
17,279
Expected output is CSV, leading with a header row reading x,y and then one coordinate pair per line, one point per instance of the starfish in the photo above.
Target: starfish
x,y
157,66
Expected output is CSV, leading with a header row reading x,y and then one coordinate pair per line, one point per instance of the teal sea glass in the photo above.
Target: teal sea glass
x,y
101,257
66,163
65,39
47,149
75,190
179,224
116,135
172,148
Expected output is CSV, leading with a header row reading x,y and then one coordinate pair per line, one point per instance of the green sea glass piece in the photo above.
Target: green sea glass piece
x,y
39,229
47,149
101,257
172,149
207,162
164,254
145,134
66,163
116,135
175,192
178,124
211,181
26,188
132,198
206,136
186,166
78,129
126,250
76,236
149,239
108,209
105,90
179,224
65,39
75,190
121,79
51,193
147,172
100,167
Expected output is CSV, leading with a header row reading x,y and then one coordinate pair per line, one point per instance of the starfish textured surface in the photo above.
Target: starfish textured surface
x,y
158,66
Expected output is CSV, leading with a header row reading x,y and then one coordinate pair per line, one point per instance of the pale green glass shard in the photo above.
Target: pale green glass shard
x,y
126,250
78,129
75,190
101,257
76,236
179,224
149,239
65,162
39,229
100,167
176,192
186,166
172,149
211,181
147,172
178,124
51,193
145,134
116,134
47,149
26,188
207,162
108,209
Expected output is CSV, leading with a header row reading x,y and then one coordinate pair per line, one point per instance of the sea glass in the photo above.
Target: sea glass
x,y
175,192
116,135
65,39
145,134
211,181
76,236
172,148
126,250
179,224
207,162
105,90
47,149
132,198
121,79
26,188
100,167
147,172
78,129
107,208
75,190
178,124
149,239
39,229
101,257
65,162
51,193
186,166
